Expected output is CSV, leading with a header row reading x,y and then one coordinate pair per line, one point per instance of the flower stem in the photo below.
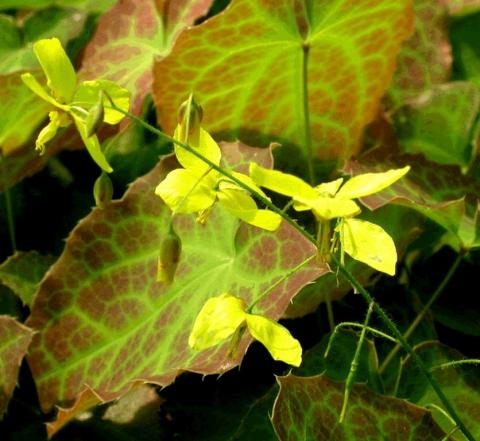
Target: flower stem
x,y
418,319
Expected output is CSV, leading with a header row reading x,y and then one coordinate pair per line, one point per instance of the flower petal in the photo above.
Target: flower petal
x,y
369,183
57,120
329,188
276,338
61,76
92,144
241,205
32,83
217,320
207,147
186,191
369,243
283,183
87,94
328,208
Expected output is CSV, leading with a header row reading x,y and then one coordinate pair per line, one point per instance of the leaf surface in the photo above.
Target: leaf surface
x,y
103,319
309,408
22,273
14,341
252,65
131,34
460,384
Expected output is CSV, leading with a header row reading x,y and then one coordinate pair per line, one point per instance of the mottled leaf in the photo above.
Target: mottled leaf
x,y
439,192
462,7
22,273
252,65
21,112
85,5
14,341
17,54
401,223
309,408
439,123
461,384
425,59
103,319
131,34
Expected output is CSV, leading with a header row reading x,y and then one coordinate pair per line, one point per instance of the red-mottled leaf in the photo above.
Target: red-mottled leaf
x,y
14,341
103,319
461,7
246,65
131,34
425,59
439,192
309,408
22,273
440,122
461,384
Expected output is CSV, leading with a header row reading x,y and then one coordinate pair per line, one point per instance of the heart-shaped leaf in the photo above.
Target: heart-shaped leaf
x,y
131,34
103,319
287,71
15,339
309,408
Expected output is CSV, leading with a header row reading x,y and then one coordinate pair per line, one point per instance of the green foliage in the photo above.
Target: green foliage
x,y
193,243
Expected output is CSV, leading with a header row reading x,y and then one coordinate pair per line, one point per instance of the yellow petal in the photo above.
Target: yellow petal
x,y
369,243
50,130
241,205
276,338
87,94
186,191
61,76
92,144
283,183
207,147
32,83
217,320
328,208
329,188
369,183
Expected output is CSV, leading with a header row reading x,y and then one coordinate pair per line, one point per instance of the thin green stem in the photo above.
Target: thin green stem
x,y
8,207
418,319
355,325
448,364
306,113
416,358
345,272
330,315
354,364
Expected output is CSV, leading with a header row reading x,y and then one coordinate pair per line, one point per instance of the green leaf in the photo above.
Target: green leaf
x,y
439,124
246,67
218,319
369,243
462,7
85,5
309,408
425,59
130,35
276,338
460,384
61,76
22,273
15,339
370,183
104,320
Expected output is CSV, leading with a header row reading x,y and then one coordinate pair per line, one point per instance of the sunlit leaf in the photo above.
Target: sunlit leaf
x,y
104,320
22,273
309,408
130,35
247,71
15,340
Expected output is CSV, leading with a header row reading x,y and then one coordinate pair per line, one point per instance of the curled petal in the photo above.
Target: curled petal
x,y
328,208
61,76
57,120
32,83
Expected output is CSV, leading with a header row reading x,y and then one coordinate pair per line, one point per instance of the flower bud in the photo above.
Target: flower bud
x,y
95,116
190,115
103,190
170,250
